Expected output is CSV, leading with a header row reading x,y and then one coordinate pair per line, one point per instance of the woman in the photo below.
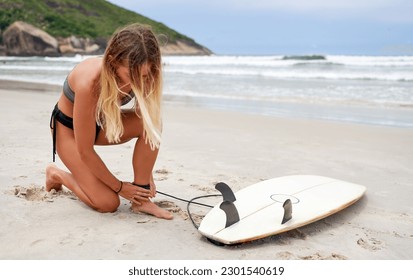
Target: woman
x,y
89,113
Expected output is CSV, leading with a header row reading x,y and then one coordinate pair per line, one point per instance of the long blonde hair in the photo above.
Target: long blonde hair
x,y
132,46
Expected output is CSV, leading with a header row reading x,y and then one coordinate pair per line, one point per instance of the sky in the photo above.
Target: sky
x,y
288,27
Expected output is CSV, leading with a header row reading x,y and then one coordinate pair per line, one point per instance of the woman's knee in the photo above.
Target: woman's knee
x,y
106,205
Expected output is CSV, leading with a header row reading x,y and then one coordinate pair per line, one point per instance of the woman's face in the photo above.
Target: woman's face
x,y
123,73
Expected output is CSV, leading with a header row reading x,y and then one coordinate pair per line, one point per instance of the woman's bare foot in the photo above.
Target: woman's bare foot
x,y
151,208
52,178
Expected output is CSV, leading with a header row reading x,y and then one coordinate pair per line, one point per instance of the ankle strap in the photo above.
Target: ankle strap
x,y
147,187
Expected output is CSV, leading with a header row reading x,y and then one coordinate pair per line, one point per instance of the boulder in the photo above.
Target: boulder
x,y
67,48
182,47
23,39
74,45
3,50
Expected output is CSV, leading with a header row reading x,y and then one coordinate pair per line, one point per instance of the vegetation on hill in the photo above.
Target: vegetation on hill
x,y
83,18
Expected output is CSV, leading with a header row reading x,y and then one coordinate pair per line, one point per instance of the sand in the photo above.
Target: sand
x,y
202,147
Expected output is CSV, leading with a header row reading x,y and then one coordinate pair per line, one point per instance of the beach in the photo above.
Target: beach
x,y
203,146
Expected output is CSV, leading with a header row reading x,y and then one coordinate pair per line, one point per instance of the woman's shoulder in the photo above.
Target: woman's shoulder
x,y
85,75
90,67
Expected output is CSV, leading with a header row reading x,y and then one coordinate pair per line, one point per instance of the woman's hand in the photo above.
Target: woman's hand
x,y
134,193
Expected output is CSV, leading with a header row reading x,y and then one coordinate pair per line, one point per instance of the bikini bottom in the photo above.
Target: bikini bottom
x,y
59,116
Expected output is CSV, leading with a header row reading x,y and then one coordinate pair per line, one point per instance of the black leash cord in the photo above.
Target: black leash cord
x,y
192,202
184,200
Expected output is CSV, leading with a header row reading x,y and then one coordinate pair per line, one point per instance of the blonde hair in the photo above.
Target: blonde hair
x,y
132,46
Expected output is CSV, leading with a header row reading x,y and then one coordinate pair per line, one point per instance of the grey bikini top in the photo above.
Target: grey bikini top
x,y
70,94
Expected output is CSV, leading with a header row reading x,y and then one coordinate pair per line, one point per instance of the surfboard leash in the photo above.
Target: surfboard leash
x,y
191,201
147,187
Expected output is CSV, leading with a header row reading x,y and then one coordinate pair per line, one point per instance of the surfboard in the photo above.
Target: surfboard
x,y
276,205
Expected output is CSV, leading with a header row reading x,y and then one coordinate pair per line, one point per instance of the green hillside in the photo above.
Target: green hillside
x,y
83,18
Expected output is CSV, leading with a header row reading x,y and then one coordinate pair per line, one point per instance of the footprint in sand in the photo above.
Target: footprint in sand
x,y
370,244
163,174
38,193
319,256
286,255
208,189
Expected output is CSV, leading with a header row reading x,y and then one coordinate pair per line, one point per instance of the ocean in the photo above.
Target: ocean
x,y
376,90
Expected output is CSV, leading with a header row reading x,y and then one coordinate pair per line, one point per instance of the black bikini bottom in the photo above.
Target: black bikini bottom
x,y
59,116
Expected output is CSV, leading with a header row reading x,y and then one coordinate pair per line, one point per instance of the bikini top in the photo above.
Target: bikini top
x,y
70,94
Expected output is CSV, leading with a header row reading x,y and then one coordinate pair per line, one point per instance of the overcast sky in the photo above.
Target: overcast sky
x,y
259,27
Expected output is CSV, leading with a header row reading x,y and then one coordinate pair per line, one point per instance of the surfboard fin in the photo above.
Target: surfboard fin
x,y
226,192
288,211
231,212
227,205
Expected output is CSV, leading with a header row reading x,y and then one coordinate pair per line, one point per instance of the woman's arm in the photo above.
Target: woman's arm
x,y
84,123
83,81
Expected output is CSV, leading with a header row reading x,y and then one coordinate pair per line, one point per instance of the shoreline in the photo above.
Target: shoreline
x,y
201,147
30,86
399,117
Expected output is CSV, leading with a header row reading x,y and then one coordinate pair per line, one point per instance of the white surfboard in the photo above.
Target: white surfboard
x,y
277,205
